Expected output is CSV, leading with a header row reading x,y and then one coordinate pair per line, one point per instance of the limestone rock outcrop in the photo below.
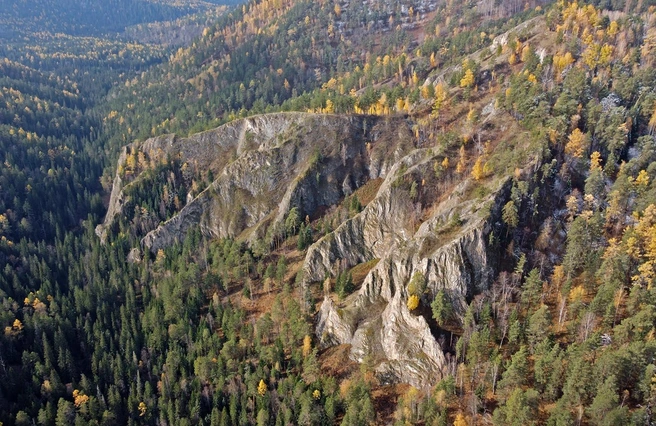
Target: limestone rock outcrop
x,y
450,249
266,165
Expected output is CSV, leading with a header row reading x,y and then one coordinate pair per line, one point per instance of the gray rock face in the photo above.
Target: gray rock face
x,y
265,166
376,321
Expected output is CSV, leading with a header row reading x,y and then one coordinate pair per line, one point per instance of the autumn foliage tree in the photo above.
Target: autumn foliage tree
x,y
468,80
577,144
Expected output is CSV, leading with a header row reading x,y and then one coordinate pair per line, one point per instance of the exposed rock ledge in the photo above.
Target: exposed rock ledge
x,y
376,321
266,165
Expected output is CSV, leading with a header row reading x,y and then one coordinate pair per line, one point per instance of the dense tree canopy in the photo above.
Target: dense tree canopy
x,y
218,332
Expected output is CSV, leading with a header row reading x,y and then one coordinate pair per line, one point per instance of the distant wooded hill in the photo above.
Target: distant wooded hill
x,y
91,17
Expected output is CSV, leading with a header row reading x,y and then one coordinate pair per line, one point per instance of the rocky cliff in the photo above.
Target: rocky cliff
x,y
450,249
265,166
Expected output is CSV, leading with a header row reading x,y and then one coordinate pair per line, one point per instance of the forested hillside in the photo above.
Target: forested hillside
x,y
269,56
89,17
491,196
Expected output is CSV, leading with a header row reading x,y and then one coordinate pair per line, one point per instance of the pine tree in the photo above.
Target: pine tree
x,y
509,214
442,308
604,401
